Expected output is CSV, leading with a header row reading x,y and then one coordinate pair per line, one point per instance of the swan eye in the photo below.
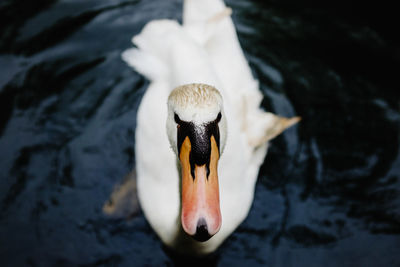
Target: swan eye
x,y
176,118
218,119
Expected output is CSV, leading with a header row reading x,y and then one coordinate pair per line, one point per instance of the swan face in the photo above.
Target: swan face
x,y
196,127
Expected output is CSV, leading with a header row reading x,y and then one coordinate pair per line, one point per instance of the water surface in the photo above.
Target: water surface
x,y
328,191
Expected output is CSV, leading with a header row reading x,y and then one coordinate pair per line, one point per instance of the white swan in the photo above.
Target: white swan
x,y
204,185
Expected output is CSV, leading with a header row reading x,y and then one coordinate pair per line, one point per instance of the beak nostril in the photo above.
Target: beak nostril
x,y
201,234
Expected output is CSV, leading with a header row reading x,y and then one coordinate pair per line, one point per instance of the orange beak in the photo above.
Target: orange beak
x,y
201,215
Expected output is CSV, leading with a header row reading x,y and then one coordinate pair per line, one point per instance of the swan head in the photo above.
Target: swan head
x,y
196,128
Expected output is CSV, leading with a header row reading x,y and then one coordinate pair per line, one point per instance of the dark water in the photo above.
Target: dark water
x,y
328,192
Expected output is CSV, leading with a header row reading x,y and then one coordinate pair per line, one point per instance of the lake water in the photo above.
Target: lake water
x,y
328,191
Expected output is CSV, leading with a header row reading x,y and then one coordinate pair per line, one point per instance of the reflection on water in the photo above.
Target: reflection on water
x,y
328,192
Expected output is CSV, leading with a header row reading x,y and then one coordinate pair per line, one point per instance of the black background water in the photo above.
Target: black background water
x,y
328,192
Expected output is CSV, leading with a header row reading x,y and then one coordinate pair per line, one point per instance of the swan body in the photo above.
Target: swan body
x,y
204,55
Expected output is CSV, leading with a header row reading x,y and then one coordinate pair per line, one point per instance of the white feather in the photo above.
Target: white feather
x,y
205,49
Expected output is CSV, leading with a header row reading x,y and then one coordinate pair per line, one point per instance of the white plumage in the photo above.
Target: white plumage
x,y
206,50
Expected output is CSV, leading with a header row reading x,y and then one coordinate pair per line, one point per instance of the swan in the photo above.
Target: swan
x,y
201,135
